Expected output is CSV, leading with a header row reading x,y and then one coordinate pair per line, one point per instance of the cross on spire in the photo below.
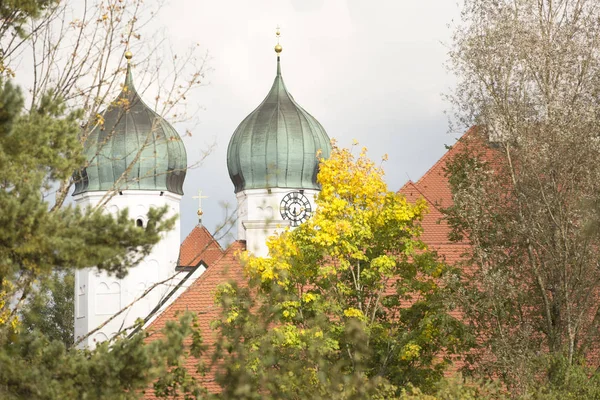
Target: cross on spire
x,y
200,212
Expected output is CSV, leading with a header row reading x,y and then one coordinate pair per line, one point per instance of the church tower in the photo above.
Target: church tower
x,y
135,160
273,163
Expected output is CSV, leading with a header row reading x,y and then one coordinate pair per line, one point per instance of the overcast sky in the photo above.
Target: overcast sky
x,y
367,70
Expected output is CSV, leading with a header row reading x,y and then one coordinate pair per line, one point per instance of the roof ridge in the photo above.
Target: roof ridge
x,y
408,182
411,183
211,239
434,166
209,269
445,155
204,276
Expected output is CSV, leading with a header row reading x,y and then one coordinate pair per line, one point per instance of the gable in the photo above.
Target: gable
x,y
199,246
200,299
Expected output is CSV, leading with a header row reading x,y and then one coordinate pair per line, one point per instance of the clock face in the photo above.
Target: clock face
x,y
295,207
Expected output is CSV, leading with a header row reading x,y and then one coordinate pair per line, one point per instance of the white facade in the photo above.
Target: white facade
x,y
99,296
259,215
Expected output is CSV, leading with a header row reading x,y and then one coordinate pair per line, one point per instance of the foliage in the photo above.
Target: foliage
x,y
456,388
16,13
36,149
34,367
565,381
350,301
51,309
37,242
42,243
524,181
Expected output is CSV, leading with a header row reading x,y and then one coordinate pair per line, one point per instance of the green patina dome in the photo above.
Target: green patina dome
x,y
133,149
276,145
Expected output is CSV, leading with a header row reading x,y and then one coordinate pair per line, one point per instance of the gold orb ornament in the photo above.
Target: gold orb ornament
x,y
278,48
128,55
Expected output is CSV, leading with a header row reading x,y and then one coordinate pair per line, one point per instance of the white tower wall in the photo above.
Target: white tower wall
x,y
99,296
259,215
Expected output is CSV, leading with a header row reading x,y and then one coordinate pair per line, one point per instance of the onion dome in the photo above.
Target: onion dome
x,y
276,145
132,148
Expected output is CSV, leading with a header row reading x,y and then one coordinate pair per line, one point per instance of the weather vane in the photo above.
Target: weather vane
x,y
200,212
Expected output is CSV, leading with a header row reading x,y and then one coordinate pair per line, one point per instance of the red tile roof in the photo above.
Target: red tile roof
x,y
199,246
434,184
434,188
225,266
200,298
435,229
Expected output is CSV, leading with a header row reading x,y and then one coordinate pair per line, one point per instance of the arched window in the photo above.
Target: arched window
x,y
100,337
108,298
139,223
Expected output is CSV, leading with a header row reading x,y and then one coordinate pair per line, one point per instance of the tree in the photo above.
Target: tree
x,y
14,16
526,179
43,241
351,304
51,308
37,242
74,52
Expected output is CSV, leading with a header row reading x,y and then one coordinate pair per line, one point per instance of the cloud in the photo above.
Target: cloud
x,y
370,70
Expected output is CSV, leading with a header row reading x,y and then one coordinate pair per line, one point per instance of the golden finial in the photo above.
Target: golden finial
x,y
278,48
128,55
200,212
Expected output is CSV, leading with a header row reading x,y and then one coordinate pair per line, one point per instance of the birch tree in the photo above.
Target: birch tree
x,y
525,183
